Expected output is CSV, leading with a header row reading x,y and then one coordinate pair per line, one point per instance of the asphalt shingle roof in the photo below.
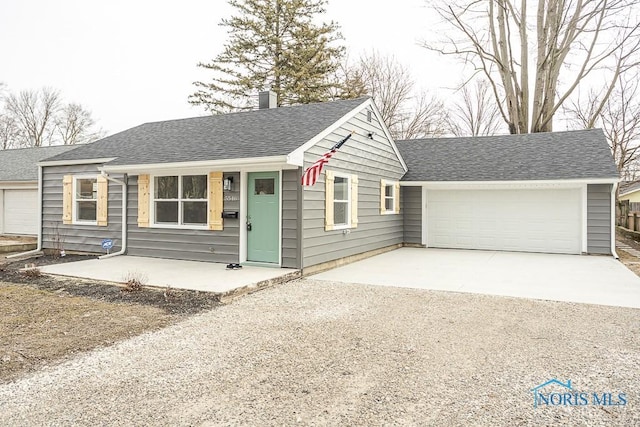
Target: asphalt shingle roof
x,y
629,187
257,133
539,156
21,164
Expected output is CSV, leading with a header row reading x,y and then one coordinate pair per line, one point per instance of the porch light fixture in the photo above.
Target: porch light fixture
x,y
227,183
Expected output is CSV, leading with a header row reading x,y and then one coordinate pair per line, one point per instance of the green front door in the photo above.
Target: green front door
x,y
263,220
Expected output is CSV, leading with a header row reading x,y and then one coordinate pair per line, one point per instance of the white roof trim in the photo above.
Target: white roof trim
x,y
578,181
226,163
296,157
75,162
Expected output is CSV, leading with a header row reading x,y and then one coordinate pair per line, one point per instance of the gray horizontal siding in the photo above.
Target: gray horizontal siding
x,y
599,218
193,245
84,238
411,206
291,220
370,159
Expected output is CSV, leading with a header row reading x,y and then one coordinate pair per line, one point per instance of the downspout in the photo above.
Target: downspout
x,y
123,247
613,220
38,249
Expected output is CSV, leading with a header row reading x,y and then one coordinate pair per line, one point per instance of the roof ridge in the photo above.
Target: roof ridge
x,y
255,110
505,135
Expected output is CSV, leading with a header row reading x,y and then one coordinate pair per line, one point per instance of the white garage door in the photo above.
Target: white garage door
x,y
21,211
509,220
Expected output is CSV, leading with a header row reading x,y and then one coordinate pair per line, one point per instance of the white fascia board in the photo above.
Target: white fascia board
x,y
296,157
75,162
444,185
226,164
18,185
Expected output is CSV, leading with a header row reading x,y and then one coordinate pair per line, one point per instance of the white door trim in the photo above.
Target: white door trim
x,y
244,210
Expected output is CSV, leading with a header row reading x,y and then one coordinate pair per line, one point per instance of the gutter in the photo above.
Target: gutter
x,y
123,247
38,249
613,220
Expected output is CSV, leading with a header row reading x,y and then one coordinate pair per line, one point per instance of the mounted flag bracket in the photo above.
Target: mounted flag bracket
x,y
310,176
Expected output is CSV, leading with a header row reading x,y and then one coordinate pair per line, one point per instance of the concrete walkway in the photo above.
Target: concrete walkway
x,y
199,276
571,278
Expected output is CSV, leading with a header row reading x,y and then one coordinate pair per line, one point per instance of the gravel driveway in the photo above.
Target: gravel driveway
x,y
321,353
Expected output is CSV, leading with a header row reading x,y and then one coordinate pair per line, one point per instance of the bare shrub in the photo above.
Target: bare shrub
x,y
134,281
31,272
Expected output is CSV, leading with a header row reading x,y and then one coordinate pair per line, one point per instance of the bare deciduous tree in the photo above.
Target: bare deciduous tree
x,y
35,112
476,113
619,118
346,82
9,132
37,118
392,88
74,125
570,41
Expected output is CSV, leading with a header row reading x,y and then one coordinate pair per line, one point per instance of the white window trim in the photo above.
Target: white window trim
x,y
348,178
152,204
393,185
74,201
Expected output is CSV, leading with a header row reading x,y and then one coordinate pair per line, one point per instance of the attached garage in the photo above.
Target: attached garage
x,y
529,220
544,192
20,211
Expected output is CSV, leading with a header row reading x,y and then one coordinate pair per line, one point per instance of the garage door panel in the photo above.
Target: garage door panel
x,y
514,220
20,212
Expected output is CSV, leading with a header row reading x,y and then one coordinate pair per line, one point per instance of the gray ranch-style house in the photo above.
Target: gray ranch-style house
x,y
227,188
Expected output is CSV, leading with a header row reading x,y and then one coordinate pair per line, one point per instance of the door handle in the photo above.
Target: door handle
x,y
248,226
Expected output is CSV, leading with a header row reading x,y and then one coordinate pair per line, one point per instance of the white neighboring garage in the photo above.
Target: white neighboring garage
x,y
19,188
549,192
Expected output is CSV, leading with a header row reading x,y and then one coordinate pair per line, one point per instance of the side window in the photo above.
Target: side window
x,y
341,201
341,211
86,200
389,197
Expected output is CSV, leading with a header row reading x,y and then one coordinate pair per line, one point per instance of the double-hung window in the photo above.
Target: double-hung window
x,y
341,199
389,197
85,200
180,200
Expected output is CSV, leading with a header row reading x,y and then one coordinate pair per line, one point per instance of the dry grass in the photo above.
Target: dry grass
x,y
41,326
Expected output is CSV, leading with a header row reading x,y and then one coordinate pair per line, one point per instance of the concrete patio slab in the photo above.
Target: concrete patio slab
x,y
570,278
199,276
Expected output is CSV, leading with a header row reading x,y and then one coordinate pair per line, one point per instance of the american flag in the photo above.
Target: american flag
x,y
310,176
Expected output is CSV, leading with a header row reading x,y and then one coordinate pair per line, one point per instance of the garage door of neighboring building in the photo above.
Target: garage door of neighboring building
x,y
525,220
20,212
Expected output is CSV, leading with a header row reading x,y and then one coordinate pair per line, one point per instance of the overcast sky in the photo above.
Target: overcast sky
x,y
134,61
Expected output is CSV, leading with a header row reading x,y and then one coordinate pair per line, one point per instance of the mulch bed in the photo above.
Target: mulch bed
x,y
173,301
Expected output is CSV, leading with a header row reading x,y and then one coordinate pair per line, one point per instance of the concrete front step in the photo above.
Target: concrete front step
x,y
7,246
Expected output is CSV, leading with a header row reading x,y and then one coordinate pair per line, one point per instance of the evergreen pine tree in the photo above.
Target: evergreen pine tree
x,y
277,45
